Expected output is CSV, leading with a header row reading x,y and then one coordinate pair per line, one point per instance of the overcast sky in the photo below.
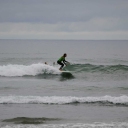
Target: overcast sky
x,y
64,19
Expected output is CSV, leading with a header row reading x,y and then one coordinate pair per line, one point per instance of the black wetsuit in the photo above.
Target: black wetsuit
x,y
60,62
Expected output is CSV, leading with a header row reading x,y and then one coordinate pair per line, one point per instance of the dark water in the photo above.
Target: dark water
x,y
94,94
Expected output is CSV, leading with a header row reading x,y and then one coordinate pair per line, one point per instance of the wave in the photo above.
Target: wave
x,y
103,100
41,69
123,88
98,68
28,120
73,125
29,70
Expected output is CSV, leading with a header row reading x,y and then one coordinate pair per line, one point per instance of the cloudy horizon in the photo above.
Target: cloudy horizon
x,y
64,19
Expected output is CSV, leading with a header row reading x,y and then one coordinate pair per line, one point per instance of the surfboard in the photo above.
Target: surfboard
x,y
65,71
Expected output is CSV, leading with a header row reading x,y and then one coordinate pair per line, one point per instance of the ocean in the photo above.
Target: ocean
x,y
94,94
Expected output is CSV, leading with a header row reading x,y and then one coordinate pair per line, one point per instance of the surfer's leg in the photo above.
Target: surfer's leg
x,y
62,65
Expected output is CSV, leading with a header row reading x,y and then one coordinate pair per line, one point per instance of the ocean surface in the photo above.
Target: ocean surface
x,y
94,94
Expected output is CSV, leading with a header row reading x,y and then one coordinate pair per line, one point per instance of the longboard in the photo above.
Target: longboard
x,y
65,71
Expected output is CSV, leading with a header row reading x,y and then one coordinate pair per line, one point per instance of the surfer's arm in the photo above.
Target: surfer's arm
x,y
65,62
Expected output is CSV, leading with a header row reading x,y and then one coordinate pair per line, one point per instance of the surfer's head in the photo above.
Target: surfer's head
x,y
65,55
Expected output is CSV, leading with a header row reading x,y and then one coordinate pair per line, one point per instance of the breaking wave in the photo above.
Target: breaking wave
x,y
30,70
103,100
41,69
73,125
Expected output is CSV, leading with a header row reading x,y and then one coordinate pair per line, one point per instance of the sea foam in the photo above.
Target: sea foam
x,y
105,100
31,70
73,125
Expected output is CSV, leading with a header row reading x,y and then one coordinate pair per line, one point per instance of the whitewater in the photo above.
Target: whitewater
x,y
104,100
22,70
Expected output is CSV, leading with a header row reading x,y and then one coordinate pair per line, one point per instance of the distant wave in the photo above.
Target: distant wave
x,y
28,120
103,100
72,125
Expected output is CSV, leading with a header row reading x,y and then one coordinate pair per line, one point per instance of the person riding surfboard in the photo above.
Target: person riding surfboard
x,y
61,61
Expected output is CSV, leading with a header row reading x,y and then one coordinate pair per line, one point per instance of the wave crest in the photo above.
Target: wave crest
x,y
98,68
104,100
30,70
40,68
73,125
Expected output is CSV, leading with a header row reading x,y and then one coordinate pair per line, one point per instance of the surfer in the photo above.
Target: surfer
x,y
62,61
46,63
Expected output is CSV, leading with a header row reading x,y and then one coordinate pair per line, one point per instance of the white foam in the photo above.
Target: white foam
x,y
21,70
71,125
62,99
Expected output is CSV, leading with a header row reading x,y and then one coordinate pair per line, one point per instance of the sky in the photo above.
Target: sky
x,y
64,19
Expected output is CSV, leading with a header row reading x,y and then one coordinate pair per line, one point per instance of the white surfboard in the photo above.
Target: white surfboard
x,y
66,71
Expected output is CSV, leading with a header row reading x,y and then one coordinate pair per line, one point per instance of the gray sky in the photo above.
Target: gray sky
x,y
64,19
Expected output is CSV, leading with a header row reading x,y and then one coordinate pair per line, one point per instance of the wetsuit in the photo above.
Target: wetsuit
x,y
60,62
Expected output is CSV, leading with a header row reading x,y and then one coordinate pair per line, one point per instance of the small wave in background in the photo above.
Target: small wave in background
x,y
74,125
